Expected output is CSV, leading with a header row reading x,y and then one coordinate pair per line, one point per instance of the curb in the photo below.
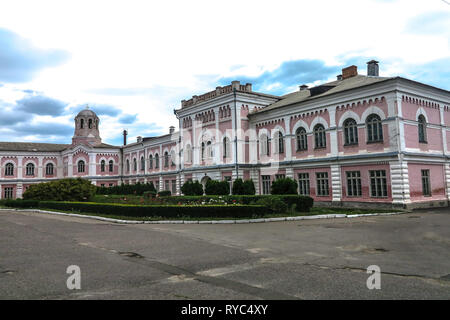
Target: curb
x,y
239,221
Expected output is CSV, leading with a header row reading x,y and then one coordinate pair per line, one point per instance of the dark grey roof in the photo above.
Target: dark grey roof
x,y
336,86
32,147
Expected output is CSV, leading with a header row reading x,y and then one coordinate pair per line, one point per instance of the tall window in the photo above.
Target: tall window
x,y
82,123
30,169
9,169
302,141
350,132
90,123
8,193
142,163
188,153
279,142
174,187
203,151
49,169
156,161
265,184
111,166
422,129
150,162
226,147
166,159
378,186
102,166
264,145
303,184
322,184
374,128
354,184
172,158
128,165
426,189
134,164
209,151
319,136
81,166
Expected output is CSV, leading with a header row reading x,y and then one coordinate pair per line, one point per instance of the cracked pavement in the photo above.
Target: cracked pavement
x,y
308,259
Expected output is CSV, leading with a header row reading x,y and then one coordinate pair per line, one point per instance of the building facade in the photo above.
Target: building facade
x,y
359,140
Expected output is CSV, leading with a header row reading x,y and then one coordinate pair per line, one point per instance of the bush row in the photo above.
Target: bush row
x,y
138,189
165,211
70,189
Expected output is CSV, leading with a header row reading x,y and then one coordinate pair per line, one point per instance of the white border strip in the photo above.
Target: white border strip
x,y
296,218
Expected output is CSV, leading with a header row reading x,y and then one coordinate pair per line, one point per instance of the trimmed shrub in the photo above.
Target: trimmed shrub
x,y
192,188
61,190
214,187
238,187
249,187
149,194
275,204
19,203
284,186
123,189
167,211
165,193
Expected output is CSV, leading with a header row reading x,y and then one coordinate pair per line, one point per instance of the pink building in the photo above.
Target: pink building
x,y
359,140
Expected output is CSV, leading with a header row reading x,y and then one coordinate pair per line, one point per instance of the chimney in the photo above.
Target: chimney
x,y
139,139
349,72
171,129
372,68
303,87
248,87
235,84
125,137
339,77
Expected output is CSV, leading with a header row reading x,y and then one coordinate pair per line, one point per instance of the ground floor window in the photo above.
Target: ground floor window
x,y
322,184
111,184
166,185
265,184
174,186
230,183
157,186
426,189
378,185
303,184
280,176
354,184
8,193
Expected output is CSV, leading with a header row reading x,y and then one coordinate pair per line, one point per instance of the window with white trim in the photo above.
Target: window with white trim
x,y
302,140
49,169
378,183
422,127
30,169
319,136
265,180
354,183
303,184
374,128
322,184
350,132
426,188
9,169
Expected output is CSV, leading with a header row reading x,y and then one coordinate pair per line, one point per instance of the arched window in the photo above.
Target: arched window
x,y
302,141
134,164
128,165
30,169
9,169
142,163
422,129
81,166
49,169
90,123
209,150
264,145
156,161
82,123
150,161
102,165
188,154
319,136
374,128
111,166
203,151
226,147
172,158
350,132
166,159
279,142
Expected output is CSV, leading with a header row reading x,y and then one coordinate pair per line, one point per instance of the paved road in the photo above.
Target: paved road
x,y
310,259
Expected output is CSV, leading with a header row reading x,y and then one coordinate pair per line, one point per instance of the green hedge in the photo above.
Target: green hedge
x,y
19,203
166,211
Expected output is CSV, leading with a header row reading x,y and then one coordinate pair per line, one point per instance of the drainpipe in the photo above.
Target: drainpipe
x,y
235,136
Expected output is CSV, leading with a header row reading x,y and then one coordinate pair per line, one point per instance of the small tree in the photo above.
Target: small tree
x,y
61,190
284,186
249,187
214,187
192,188
238,187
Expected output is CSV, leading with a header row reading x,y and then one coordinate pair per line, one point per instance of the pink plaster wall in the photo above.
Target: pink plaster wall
x,y
437,181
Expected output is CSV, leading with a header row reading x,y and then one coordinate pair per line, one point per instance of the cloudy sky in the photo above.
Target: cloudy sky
x,y
134,61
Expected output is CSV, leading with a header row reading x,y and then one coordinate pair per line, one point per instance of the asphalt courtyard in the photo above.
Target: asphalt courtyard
x,y
308,259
